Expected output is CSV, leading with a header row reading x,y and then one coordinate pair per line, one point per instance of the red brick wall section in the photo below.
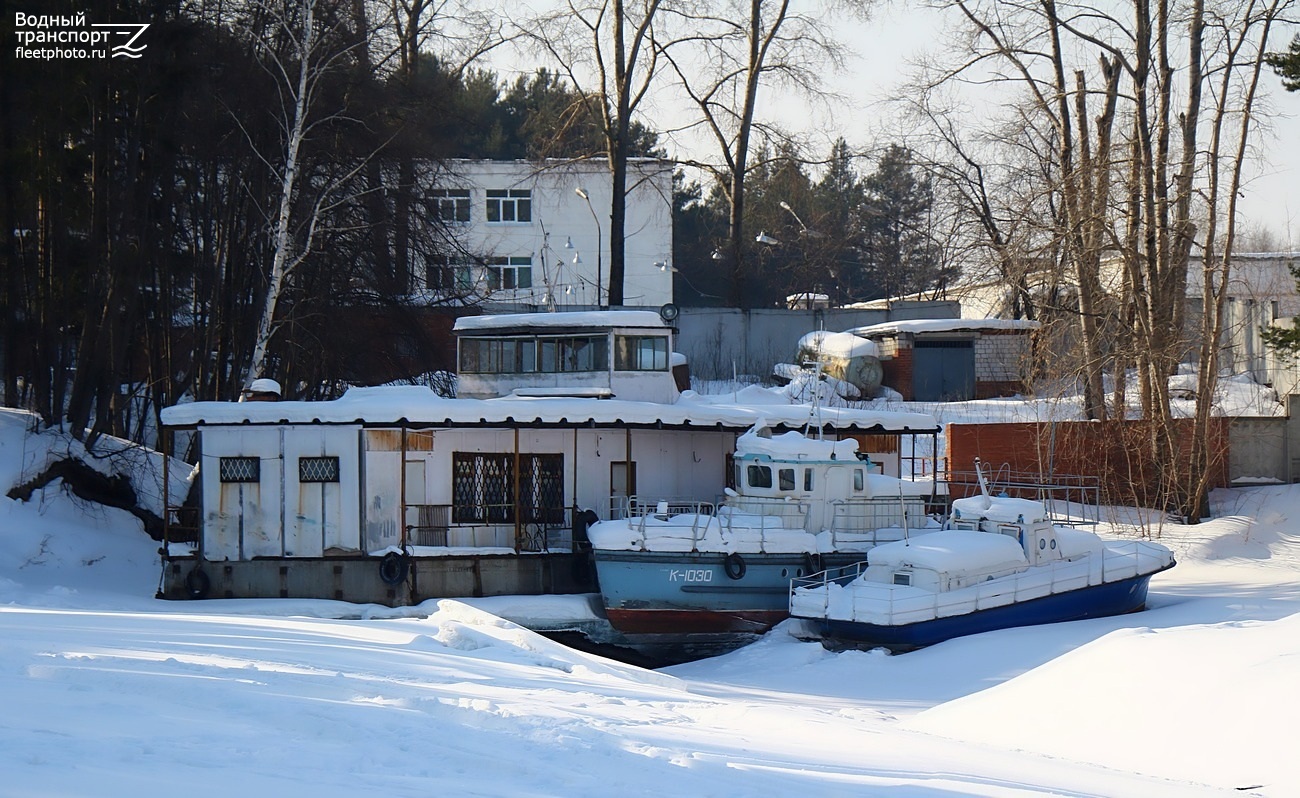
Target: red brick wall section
x,y
897,373
1112,451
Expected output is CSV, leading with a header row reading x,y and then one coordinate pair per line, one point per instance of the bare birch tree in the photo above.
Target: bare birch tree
x,y
300,45
721,57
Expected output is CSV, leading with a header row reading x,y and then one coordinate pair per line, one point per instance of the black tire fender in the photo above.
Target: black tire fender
x,y
393,568
734,565
197,583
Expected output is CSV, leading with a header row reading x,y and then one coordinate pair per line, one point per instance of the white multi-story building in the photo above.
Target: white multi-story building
x,y
536,234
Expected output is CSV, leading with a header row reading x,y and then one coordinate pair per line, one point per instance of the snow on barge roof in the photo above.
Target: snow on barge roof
x,y
944,325
583,319
420,406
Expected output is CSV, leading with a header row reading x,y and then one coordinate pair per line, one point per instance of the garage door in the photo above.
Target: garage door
x,y
943,371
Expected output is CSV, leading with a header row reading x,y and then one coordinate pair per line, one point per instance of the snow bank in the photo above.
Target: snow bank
x,y
27,450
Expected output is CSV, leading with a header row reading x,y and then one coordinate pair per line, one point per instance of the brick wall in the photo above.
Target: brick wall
x,y
1110,451
1000,356
897,372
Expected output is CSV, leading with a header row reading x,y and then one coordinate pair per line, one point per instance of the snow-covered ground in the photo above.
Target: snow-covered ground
x,y
108,692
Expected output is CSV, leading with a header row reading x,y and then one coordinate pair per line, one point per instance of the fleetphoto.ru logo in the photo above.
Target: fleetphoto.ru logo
x,y
51,36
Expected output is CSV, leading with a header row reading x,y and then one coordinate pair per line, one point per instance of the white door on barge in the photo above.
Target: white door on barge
x,y
321,474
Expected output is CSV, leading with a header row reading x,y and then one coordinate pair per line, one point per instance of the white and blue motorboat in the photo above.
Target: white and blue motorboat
x,y
1000,563
698,576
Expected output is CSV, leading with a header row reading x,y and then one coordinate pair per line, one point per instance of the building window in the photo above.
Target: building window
x,y
240,469
510,273
509,205
450,204
448,273
318,469
484,488
641,353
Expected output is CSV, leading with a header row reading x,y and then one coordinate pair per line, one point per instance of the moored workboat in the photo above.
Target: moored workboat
x,y
1001,564
709,576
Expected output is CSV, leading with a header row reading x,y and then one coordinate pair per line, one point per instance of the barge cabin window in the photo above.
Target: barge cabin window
x,y
240,469
532,355
486,490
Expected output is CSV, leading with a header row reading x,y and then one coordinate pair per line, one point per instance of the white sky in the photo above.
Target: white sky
x,y
109,692
897,34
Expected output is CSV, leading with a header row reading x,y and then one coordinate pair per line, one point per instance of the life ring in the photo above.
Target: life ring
x,y
197,583
734,565
393,568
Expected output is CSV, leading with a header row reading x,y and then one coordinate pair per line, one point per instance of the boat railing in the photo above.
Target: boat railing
x,y
864,600
877,519
753,520
639,513
1070,499
791,514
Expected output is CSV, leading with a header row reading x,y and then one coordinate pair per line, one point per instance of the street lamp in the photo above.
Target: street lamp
x,y
803,228
581,192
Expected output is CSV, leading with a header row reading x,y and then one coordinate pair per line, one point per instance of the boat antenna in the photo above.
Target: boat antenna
x,y
979,476
815,414
902,505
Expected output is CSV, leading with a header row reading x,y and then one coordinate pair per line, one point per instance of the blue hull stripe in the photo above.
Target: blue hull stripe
x,y
1097,601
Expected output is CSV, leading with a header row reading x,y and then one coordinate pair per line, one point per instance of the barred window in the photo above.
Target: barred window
x,y
318,469
240,469
486,489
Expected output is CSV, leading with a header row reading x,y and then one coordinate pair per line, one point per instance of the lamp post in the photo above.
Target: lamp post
x,y
581,192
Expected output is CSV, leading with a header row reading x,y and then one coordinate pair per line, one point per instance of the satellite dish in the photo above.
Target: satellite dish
x,y
668,312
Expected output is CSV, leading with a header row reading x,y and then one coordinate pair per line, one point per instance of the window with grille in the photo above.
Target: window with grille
x,y
240,469
318,469
486,489
509,205
450,204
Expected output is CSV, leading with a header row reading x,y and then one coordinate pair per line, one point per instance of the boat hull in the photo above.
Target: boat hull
x,y
694,593
1095,601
